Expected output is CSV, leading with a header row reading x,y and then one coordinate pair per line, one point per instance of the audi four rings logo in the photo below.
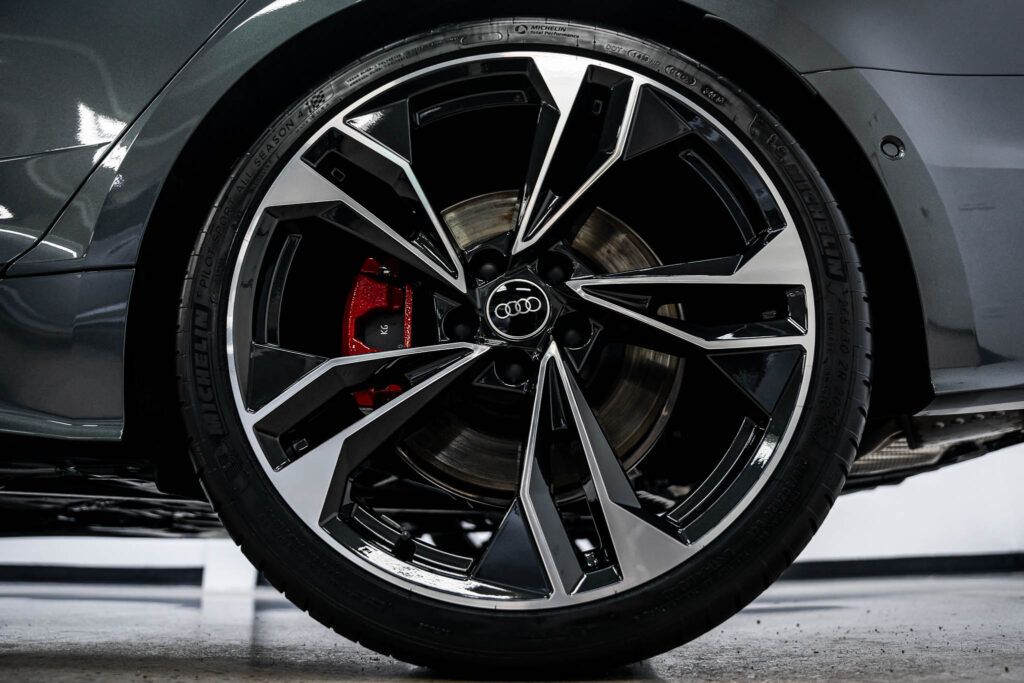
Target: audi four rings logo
x,y
528,304
517,309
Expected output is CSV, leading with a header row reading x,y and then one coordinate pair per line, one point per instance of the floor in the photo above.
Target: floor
x,y
868,629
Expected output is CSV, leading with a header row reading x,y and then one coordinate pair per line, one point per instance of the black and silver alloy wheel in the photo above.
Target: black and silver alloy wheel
x,y
511,327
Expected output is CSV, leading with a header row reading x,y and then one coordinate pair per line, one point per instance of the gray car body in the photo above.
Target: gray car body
x,y
98,104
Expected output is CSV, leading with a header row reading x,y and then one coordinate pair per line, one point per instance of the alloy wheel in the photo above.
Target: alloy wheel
x,y
520,330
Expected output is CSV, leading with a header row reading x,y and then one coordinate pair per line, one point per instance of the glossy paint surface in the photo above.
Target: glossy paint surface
x,y
72,78
74,75
962,216
62,341
117,200
33,190
923,36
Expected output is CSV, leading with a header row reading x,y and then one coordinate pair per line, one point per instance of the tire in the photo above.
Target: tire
x,y
665,611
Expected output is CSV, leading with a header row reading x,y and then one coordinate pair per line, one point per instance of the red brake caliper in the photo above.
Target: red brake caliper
x,y
378,317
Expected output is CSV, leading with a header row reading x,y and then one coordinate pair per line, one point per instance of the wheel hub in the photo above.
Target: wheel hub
x,y
518,309
474,455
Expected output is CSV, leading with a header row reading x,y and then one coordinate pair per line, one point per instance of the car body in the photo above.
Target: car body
x,y
115,123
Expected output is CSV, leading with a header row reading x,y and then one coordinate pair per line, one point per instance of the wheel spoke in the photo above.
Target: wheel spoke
x,y
761,375
357,220
562,75
397,119
581,133
306,483
553,543
283,428
511,558
777,261
272,369
643,550
298,183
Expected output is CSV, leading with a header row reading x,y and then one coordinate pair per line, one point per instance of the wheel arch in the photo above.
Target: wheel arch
x,y
902,381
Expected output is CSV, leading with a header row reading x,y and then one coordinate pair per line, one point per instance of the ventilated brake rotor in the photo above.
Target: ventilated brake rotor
x,y
458,455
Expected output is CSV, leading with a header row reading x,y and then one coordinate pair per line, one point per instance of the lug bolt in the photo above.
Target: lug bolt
x,y
573,330
555,268
513,367
486,264
513,373
460,324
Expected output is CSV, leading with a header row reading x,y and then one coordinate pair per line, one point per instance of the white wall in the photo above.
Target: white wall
x,y
971,508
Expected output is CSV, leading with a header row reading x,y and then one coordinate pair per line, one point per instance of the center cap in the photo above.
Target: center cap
x,y
518,309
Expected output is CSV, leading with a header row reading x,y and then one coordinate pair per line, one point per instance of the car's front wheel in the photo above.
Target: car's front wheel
x,y
524,343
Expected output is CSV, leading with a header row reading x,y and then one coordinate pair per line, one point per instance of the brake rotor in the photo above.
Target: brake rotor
x,y
483,464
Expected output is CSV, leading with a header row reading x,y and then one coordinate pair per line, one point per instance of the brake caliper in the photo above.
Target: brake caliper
x,y
378,317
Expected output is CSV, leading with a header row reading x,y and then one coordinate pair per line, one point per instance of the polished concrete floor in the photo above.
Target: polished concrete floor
x,y
868,629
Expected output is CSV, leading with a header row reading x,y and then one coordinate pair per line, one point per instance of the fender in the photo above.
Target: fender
x,y
71,81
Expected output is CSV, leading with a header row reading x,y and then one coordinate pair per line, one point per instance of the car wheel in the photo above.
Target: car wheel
x,y
524,344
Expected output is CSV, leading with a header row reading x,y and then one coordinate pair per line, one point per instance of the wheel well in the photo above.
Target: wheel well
x,y
901,378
